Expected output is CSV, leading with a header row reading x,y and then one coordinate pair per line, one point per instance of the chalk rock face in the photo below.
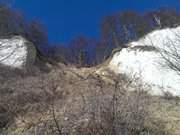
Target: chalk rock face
x,y
143,59
17,52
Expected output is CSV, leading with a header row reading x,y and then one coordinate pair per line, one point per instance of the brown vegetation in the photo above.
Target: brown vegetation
x,y
63,102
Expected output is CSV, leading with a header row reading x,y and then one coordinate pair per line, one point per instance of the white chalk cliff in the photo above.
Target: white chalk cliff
x,y
142,60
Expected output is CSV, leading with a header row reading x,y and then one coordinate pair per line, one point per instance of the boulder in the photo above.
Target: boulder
x,y
17,52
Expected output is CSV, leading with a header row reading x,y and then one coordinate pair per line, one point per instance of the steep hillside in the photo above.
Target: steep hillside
x,y
80,101
143,60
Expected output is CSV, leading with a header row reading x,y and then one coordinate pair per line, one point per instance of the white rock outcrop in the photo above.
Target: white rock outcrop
x,y
16,52
143,60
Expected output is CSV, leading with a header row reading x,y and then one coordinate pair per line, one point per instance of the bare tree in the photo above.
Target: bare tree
x,y
157,20
170,53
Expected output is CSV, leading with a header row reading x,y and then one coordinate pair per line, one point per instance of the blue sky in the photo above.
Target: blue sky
x,y
66,19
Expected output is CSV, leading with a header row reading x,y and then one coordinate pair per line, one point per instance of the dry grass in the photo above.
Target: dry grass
x,y
71,101
168,112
